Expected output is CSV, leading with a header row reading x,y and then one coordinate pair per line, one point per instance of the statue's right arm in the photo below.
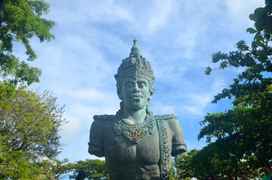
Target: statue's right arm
x,y
96,141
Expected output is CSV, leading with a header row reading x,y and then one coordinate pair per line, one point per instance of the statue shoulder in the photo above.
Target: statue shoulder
x,y
101,121
104,117
99,126
169,119
165,117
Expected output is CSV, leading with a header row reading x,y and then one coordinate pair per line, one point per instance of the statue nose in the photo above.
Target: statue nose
x,y
135,87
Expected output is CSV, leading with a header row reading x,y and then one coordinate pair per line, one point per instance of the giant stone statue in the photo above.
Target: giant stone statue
x,y
136,144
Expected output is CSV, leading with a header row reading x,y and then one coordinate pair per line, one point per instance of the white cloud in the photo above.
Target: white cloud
x,y
70,129
87,111
79,114
187,41
144,20
85,11
160,14
171,73
196,103
89,94
93,36
159,108
75,133
239,10
71,60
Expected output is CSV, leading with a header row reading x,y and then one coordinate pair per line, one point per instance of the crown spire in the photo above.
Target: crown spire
x,y
134,66
134,52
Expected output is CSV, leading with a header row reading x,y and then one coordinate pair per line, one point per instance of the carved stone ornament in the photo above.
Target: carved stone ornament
x,y
135,132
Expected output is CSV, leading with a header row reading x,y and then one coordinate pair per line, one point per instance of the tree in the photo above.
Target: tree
x,y
20,21
184,165
29,140
222,160
214,162
244,131
91,169
29,122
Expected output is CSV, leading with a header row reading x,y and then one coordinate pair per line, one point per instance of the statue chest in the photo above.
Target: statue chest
x,y
132,145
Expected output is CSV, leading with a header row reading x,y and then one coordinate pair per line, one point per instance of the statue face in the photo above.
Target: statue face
x,y
135,93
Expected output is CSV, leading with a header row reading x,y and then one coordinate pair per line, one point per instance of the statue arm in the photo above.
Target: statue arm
x,y
96,144
178,144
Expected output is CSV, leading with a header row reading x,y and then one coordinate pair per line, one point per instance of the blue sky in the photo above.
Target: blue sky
x,y
176,36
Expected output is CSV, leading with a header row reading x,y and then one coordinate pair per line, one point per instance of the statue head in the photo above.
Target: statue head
x,y
135,80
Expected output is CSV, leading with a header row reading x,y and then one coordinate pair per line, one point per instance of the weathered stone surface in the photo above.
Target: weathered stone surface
x,y
135,143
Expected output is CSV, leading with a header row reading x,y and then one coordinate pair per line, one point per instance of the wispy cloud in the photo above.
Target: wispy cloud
x,y
89,94
178,37
199,101
160,14
239,10
85,11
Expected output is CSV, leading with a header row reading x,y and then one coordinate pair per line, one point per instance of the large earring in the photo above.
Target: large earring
x,y
119,92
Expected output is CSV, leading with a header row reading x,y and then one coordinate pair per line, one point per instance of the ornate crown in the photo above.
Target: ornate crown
x,y
135,66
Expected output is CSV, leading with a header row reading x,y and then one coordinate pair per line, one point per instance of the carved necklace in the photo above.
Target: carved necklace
x,y
134,132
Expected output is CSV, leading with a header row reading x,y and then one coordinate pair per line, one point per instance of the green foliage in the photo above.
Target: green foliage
x,y
262,17
240,138
185,165
29,139
21,20
91,169
223,159
214,162
29,122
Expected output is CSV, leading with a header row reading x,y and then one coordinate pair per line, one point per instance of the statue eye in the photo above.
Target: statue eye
x,y
129,84
141,84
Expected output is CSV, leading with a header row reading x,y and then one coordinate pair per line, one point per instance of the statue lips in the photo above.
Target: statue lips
x,y
136,97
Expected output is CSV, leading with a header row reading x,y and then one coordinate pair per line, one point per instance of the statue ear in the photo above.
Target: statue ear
x,y
151,88
119,93
151,93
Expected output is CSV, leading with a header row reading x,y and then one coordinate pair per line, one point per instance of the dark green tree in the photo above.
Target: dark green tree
x,y
90,169
184,165
243,132
215,161
20,21
29,140
29,122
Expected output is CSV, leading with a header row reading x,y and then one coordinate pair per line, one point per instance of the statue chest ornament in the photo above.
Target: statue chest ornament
x,y
145,137
134,132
